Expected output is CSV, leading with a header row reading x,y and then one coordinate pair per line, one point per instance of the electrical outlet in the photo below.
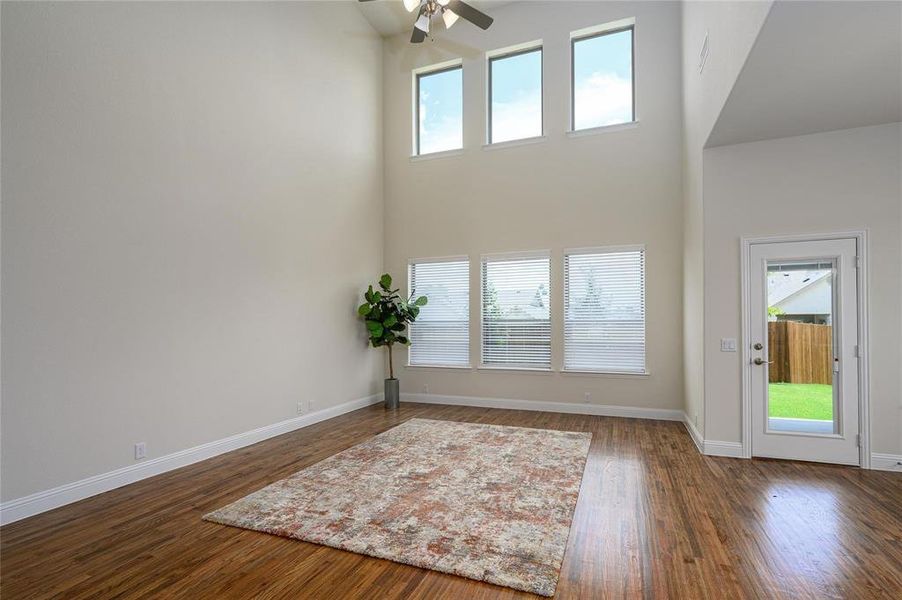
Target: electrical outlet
x,y
308,406
425,388
587,398
300,408
140,450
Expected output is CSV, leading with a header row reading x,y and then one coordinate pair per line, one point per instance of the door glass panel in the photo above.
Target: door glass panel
x,y
800,347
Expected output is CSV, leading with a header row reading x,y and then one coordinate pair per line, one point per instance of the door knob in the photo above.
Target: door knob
x,y
759,361
758,346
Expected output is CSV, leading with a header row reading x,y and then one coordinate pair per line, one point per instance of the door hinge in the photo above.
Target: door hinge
x,y
857,262
856,351
858,440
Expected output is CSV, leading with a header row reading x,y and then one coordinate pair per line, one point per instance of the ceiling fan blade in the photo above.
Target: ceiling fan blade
x,y
476,17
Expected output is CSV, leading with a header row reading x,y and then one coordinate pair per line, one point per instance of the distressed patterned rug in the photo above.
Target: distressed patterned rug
x,y
487,502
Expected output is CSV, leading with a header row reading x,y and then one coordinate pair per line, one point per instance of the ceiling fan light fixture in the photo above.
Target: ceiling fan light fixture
x,y
411,5
443,2
423,23
449,17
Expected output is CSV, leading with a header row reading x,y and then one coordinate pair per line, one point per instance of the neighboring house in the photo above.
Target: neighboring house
x,y
803,296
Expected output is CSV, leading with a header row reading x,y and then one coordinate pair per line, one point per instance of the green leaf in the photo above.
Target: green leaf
x,y
414,312
403,340
385,281
391,320
375,328
364,310
421,301
368,294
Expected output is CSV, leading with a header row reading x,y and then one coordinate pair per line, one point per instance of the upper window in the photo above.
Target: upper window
x,y
604,310
516,324
441,334
515,95
439,110
602,78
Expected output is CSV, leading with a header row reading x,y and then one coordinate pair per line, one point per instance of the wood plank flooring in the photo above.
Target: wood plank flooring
x,y
655,519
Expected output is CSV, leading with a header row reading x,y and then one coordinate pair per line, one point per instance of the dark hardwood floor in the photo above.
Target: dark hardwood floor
x,y
655,519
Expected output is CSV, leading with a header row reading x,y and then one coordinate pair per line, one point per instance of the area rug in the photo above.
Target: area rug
x,y
487,502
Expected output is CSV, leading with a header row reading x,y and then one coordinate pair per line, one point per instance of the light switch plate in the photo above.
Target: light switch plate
x,y
728,344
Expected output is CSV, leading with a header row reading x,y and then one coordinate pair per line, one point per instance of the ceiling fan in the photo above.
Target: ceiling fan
x,y
449,10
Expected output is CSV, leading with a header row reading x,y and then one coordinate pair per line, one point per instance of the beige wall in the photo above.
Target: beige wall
x,y
837,181
732,28
192,198
618,187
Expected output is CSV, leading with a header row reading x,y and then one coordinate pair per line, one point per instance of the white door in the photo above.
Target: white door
x,y
803,355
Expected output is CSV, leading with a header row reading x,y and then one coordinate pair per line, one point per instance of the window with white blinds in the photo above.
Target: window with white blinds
x,y
604,310
516,324
441,334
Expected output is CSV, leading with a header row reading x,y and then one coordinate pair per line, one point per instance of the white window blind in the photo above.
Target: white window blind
x,y
516,325
441,334
604,311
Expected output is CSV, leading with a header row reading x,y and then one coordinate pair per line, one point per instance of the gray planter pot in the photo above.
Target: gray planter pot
x,y
392,393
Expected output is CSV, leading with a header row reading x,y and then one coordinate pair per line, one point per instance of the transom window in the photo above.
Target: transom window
x,y
515,94
439,110
602,78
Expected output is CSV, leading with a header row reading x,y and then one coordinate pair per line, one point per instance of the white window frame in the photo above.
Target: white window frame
x,y
566,279
433,69
592,32
500,54
513,256
442,259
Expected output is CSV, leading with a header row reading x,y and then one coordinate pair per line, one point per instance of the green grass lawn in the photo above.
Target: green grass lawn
x,y
801,401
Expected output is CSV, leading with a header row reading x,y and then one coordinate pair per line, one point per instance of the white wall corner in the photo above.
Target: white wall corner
x,y
39,502
693,433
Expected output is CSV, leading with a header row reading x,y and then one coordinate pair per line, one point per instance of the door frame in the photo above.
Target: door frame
x,y
862,283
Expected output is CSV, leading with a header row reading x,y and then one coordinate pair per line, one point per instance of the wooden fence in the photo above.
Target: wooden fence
x,y
801,352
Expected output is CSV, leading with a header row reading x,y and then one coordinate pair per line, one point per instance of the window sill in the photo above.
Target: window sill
x,y
514,143
615,374
533,370
435,155
443,367
603,129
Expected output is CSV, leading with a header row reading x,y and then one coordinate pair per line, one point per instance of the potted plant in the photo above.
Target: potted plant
x,y
387,316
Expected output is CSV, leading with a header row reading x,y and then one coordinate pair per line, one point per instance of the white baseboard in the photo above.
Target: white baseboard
x,y
879,462
886,462
694,434
39,502
602,410
731,449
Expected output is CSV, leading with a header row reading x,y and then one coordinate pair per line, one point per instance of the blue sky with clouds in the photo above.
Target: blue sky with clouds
x,y
517,97
603,94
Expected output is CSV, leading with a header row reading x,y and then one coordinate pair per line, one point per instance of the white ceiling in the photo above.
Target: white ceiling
x,y
817,66
388,17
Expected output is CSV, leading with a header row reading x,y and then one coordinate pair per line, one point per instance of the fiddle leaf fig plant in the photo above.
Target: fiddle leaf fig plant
x,y
387,315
